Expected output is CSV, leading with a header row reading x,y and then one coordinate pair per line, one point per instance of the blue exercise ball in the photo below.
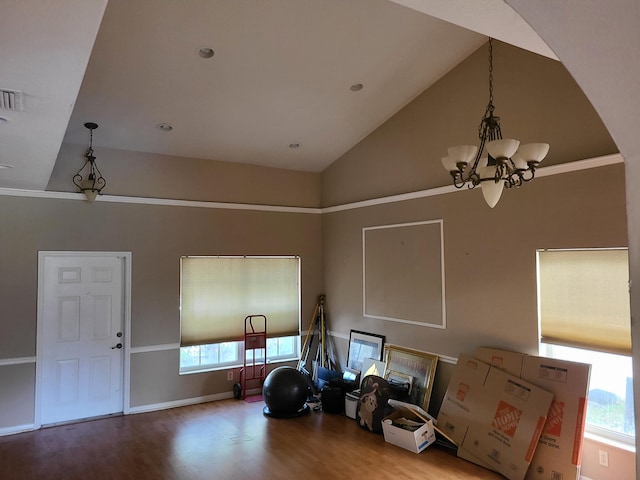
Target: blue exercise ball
x,y
285,392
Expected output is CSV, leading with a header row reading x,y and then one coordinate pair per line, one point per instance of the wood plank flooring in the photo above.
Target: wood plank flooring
x,y
229,439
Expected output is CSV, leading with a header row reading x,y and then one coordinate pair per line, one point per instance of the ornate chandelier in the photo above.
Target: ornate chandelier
x,y
506,163
89,179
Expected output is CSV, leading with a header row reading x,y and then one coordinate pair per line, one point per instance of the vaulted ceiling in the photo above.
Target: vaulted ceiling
x,y
281,89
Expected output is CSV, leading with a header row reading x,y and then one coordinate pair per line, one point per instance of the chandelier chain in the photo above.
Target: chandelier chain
x,y
490,72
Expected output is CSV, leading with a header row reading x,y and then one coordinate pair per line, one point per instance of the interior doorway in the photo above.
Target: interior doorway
x,y
82,337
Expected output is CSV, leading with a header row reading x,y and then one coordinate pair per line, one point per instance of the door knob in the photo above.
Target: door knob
x,y
119,345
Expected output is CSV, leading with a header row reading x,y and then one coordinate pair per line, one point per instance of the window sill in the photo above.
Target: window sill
x,y
594,437
235,366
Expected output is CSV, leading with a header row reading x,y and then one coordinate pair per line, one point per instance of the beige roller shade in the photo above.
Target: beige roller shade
x,y
584,299
217,293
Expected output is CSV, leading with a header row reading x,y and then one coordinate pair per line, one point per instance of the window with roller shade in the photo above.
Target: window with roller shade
x,y
584,314
218,293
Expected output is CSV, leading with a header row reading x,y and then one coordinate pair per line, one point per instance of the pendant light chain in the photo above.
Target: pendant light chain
x,y
490,72
90,150
489,127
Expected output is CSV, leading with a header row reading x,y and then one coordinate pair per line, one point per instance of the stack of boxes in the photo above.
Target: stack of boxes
x,y
520,415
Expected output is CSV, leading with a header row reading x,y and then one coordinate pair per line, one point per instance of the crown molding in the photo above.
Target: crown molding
x,y
432,192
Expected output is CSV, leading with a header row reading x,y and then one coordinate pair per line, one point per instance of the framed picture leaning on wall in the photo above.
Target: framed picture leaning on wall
x,y
421,366
363,345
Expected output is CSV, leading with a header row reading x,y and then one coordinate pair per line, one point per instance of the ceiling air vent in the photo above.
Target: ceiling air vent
x,y
10,100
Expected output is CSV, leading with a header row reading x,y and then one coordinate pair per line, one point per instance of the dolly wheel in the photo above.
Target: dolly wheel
x,y
237,391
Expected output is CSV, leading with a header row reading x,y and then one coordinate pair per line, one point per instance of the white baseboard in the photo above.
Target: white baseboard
x,y
186,401
17,429
16,361
152,407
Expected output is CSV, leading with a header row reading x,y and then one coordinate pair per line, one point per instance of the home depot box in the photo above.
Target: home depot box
x,y
462,398
510,419
410,438
559,451
503,359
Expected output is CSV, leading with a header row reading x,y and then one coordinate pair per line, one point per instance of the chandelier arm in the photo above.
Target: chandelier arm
x,y
99,179
513,180
459,183
530,170
474,180
78,178
473,175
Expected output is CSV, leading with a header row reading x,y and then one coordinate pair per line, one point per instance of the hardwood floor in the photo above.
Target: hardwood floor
x,y
229,439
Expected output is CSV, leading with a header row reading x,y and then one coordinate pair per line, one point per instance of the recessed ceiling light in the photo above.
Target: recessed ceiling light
x,y
165,127
294,145
206,52
356,87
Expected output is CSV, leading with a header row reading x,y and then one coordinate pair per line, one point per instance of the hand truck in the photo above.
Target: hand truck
x,y
254,368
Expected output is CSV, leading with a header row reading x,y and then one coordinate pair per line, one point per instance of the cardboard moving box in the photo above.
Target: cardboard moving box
x,y
503,359
510,417
559,452
409,427
463,398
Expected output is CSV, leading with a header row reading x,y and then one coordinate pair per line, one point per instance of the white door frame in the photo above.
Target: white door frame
x,y
126,257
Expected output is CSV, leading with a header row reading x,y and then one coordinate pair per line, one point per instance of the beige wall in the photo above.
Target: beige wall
x,y
157,236
489,254
17,395
140,174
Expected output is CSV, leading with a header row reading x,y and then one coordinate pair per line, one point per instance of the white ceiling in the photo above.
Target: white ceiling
x,y
281,74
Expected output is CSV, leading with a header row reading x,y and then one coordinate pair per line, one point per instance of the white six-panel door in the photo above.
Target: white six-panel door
x,y
80,345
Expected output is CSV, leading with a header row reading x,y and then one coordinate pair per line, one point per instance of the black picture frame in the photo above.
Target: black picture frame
x,y
363,345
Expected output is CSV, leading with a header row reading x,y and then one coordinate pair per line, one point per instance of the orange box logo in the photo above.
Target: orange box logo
x,y
506,418
496,360
463,388
472,365
554,419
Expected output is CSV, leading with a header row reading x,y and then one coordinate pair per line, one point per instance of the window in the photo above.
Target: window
x,y
583,305
197,358
217,293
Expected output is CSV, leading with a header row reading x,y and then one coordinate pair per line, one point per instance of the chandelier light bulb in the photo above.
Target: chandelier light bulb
x,y
449,164
462,153
503,148
534,152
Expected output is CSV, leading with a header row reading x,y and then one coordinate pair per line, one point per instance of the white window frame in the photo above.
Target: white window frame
x,y
603,434
238,363
597,432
